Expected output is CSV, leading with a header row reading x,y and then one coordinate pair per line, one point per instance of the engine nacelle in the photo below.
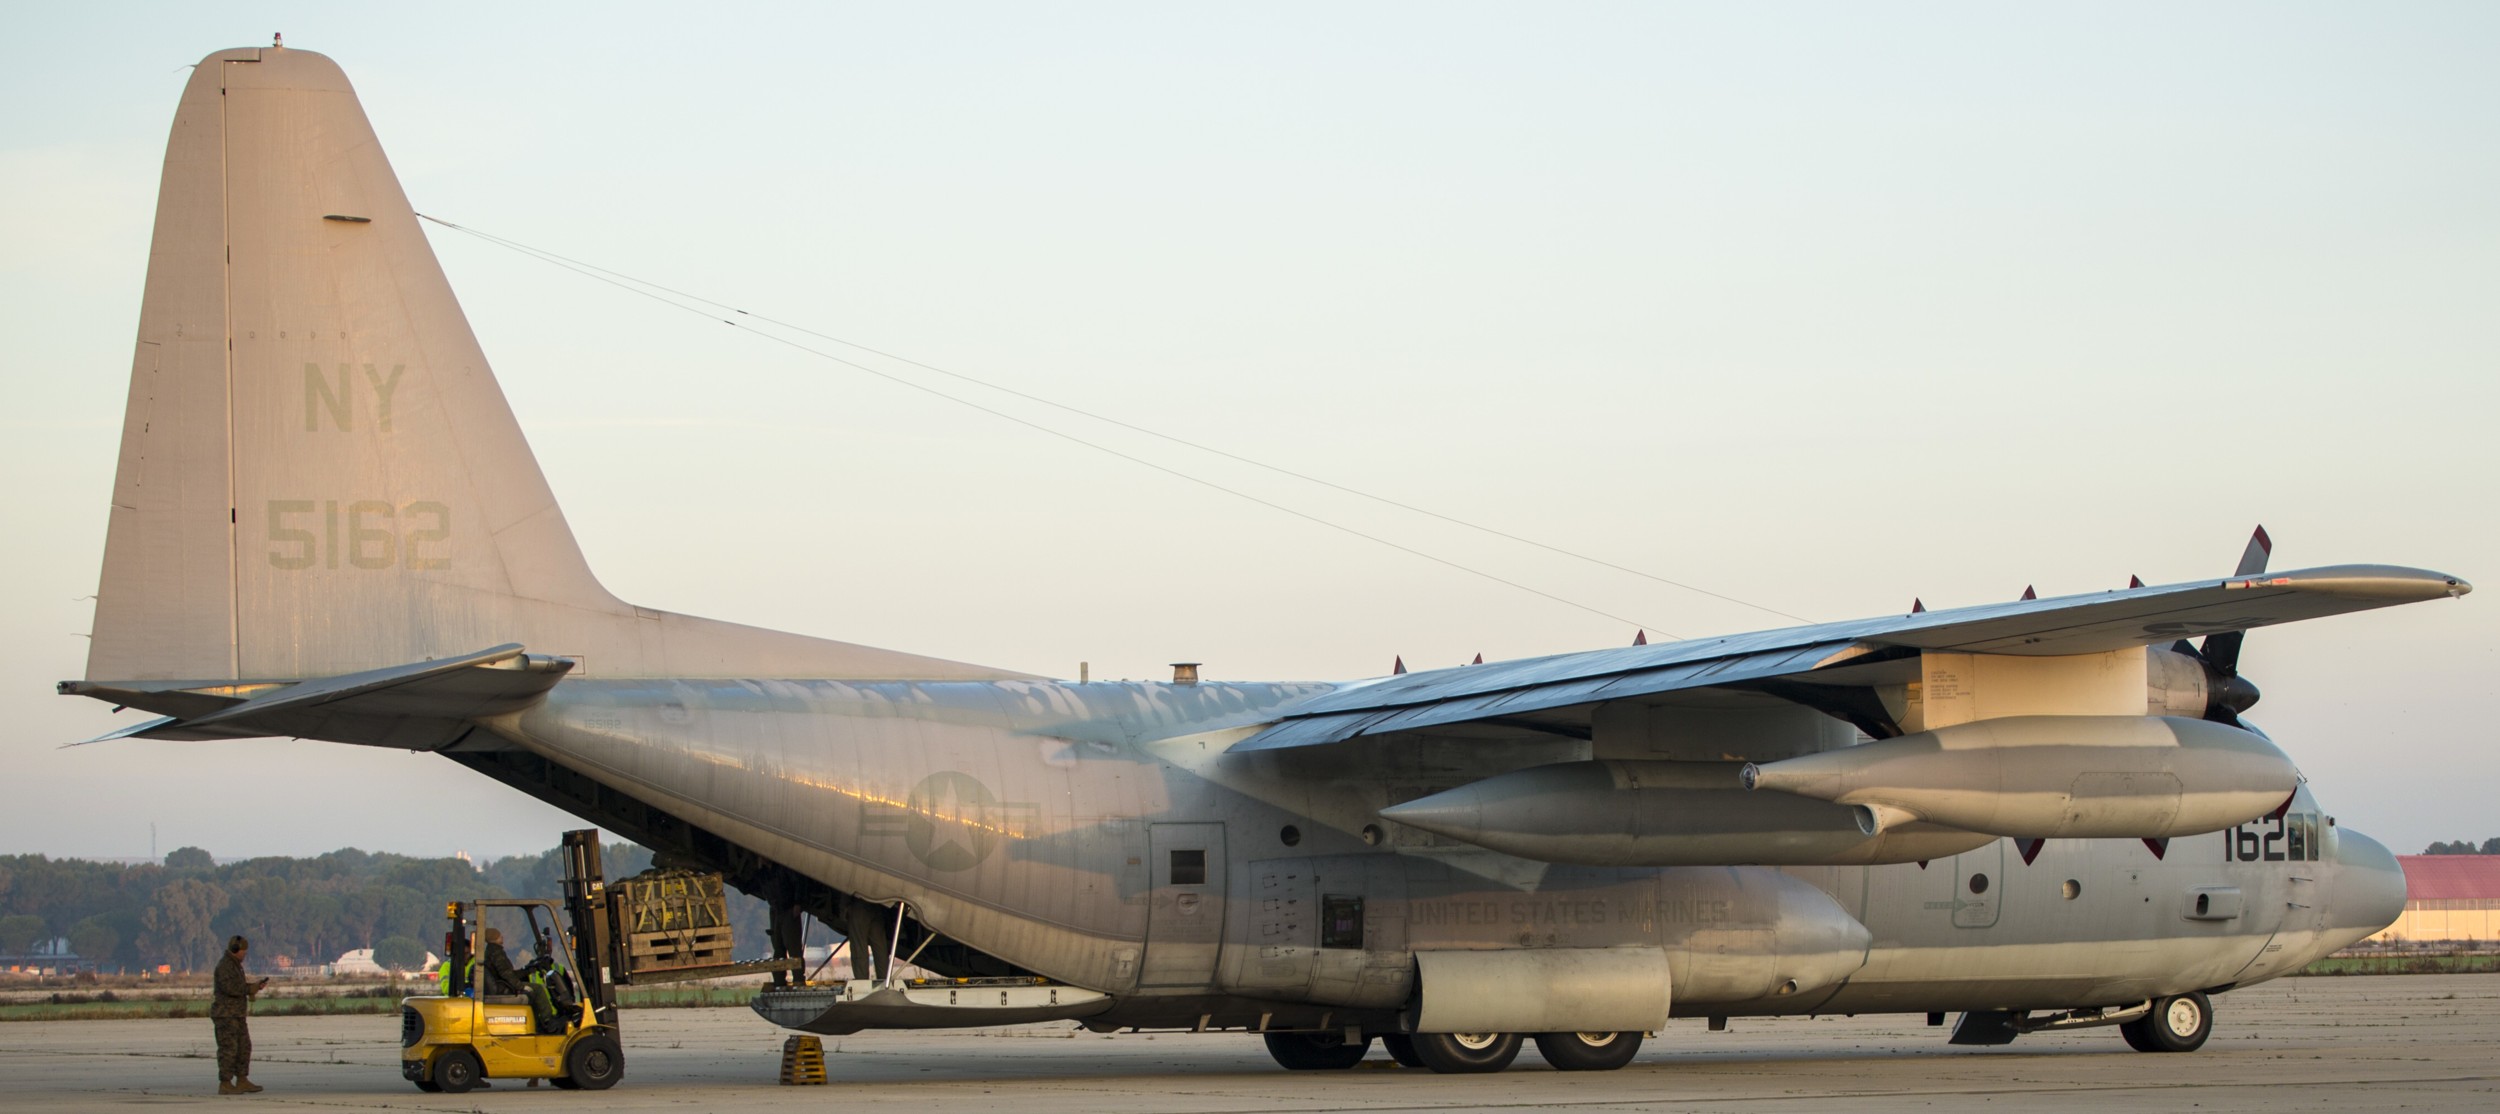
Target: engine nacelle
x,y
1645,813
2051,776
2175,684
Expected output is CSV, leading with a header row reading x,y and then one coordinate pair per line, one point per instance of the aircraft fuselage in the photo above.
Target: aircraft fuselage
x,y
1099,835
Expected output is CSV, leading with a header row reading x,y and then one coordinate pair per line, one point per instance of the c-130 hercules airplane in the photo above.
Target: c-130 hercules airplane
x,y
2039,814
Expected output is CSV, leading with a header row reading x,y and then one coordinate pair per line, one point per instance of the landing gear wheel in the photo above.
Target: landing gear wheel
x,y
1588,1051
1316,1051
594,1063
1401,1049
1466,1053
2178,1024
457,1071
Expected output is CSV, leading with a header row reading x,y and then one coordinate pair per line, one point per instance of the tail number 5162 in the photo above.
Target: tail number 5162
x,y
359,533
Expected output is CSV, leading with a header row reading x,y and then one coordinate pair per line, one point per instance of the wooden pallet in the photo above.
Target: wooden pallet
x,y
679,941
645,950
802,1061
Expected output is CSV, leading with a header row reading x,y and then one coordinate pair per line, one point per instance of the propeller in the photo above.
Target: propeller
x,y
2228,693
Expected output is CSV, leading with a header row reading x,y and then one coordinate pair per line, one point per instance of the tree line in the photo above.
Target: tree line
x,y
2464,847
122,917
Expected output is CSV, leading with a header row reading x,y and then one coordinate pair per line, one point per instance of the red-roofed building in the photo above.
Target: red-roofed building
x,y
2448,898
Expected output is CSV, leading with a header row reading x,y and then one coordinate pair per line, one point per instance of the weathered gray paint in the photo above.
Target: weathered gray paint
x,y
319,478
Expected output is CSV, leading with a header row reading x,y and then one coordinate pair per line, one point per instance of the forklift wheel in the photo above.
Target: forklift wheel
x,y
457,1071
594,1063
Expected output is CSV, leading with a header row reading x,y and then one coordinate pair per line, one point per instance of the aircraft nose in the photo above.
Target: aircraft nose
x,y
2369,884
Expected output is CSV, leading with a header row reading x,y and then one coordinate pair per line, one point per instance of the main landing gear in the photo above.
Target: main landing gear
x,y
1455,1053
2178,1024
1316,1051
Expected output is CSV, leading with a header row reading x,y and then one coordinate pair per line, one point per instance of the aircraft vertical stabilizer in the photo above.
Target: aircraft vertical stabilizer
x,y
318,473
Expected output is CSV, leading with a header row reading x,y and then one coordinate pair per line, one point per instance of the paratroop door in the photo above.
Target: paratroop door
x,y
1185,914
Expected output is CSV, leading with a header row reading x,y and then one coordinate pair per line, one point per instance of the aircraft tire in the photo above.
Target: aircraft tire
x,y
1401,1049
1466,1053
1588,1051
1316,1051
2178,1024
457,1072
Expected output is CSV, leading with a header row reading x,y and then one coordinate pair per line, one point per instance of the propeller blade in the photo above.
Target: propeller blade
x,y
2253,559
2223,650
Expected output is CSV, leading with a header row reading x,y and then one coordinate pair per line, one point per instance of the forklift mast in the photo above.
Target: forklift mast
x,y
586,905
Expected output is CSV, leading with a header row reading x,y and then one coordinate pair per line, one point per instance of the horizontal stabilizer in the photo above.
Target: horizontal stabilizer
x,y
419,706
162,727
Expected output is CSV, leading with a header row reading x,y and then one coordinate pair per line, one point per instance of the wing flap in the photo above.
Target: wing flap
x,y
1331,727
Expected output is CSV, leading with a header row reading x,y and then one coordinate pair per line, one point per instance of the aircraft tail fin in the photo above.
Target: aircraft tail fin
x,y
318,473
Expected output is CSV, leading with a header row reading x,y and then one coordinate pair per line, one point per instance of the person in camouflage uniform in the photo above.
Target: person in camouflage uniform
x,y
230,1011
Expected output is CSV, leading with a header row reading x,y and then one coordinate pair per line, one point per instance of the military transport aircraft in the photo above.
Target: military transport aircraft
x,y
2039,814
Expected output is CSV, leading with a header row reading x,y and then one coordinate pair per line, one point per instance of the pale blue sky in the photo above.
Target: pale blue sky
x,y
1819,306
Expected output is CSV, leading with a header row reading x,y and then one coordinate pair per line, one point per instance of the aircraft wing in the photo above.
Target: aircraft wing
x,y
2080,624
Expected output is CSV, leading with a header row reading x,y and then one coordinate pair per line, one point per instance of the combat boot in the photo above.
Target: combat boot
x,y
226,1086
243,1085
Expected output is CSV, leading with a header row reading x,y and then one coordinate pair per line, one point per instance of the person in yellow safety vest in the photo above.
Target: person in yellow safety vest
x,y
542,1003
442,977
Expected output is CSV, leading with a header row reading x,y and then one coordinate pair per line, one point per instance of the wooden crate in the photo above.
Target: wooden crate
x,y
671,920
670,901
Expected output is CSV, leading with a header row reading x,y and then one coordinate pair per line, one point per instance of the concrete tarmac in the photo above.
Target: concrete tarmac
x,y
2416,1042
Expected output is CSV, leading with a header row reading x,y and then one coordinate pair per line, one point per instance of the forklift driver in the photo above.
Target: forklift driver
x,y
500,978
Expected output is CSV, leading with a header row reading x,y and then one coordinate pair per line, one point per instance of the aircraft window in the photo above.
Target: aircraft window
x,y
1290,836
2297,848
1979,883
1189,868
2074,889
1340,922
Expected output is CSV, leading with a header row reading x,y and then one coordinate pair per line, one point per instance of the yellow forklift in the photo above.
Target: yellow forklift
x,y
668,926
561,1027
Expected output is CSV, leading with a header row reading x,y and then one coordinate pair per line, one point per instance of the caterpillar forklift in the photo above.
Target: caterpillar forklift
x,y
553,1016
561,1027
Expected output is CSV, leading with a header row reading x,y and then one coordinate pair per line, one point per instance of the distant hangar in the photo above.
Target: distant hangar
x,y
2448,899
